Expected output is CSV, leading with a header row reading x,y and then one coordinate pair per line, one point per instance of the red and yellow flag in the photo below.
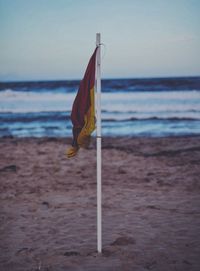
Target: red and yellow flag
x,y
83,110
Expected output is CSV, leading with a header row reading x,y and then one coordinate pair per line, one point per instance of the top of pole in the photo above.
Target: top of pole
x,y
98,39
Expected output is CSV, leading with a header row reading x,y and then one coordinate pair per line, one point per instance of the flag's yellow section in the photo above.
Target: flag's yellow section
x,y
89,126
72,151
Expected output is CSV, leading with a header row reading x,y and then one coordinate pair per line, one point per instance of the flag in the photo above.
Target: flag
x,y
83,110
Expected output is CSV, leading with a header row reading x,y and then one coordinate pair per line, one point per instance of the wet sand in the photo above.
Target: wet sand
x,y
151,205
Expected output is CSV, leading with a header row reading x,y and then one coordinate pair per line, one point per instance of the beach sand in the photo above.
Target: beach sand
x,y
151,205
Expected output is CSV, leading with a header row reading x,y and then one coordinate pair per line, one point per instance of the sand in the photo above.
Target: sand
x,y
151,205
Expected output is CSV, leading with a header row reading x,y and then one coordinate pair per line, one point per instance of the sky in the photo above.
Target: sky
x,y
54,39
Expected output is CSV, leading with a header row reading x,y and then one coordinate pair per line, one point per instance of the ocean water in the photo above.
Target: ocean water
x,y
130,107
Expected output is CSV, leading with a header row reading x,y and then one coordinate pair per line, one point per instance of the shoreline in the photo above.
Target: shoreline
x,y
68,139
150,204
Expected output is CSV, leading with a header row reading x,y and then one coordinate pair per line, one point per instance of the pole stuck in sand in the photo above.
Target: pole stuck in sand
x,y
98,117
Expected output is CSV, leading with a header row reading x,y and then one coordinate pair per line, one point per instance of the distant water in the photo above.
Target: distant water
x,y
130,107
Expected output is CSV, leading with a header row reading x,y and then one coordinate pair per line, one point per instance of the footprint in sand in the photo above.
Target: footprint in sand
x,y
123,241
71,253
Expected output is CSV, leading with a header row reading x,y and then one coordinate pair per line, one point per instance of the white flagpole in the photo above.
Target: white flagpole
x,y
98,111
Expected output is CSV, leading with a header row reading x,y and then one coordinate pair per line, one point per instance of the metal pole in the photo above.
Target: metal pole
x,y
98,111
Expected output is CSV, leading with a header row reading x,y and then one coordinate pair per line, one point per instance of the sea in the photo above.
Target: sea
x,y
147,107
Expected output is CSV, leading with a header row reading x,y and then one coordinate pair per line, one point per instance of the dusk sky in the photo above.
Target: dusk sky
x,y
53,39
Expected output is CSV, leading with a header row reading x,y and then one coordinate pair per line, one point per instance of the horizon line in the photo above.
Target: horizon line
x,y
105,78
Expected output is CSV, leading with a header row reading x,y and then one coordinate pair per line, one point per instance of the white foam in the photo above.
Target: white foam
x,y
22,101
8,95
133,104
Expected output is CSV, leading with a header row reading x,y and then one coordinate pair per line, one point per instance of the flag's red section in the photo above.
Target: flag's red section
x,y
82,102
